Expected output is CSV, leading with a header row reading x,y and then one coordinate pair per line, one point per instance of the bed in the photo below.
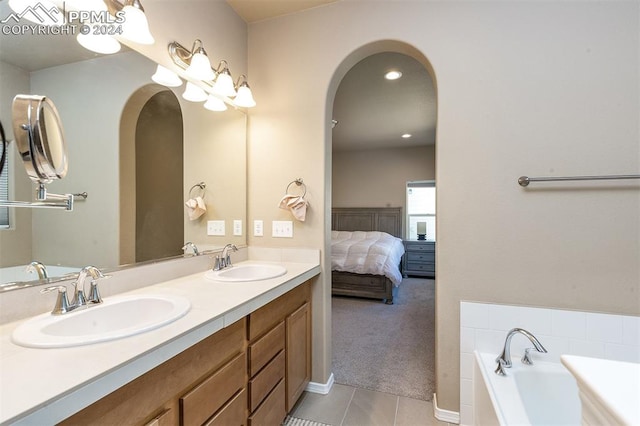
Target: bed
x,y
383,219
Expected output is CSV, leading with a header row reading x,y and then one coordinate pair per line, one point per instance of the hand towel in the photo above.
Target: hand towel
x,y
296,204
195,207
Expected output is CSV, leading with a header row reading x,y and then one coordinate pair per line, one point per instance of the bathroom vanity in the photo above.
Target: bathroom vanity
x,y
242,355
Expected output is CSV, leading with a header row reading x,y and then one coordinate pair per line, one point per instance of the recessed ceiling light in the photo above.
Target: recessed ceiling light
x,y
406,136
393,75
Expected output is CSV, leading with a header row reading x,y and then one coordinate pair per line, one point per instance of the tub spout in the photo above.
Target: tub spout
x,y
504,360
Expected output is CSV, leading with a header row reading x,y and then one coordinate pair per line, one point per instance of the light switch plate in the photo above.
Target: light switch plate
x,y
237,227
216,227
282,229
258,228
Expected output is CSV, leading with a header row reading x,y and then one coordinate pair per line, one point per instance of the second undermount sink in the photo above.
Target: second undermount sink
x,y
247,272
115,318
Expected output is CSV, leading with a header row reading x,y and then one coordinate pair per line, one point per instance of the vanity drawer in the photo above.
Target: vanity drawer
x,y
232,414
265,381
265,348
267,317
207,398
272,410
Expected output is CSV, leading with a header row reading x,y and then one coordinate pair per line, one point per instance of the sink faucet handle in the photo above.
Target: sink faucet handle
x,y
526,358
62,303
216,263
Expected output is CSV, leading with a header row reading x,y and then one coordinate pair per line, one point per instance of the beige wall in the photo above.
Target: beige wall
x,y
378,177
537,88
13,250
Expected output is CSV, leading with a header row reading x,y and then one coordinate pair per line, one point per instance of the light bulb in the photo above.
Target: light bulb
x,y
200,67
215,104
224,84
99,43
194,94
136,26
244,97
166,77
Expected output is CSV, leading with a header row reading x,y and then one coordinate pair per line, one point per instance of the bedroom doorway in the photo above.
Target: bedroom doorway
x,y
383,136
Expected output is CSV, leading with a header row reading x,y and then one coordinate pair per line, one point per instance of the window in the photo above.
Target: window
x,y
421,207
4,195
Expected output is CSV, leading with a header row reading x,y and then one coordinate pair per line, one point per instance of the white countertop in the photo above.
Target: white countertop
x,y
45,386
612,387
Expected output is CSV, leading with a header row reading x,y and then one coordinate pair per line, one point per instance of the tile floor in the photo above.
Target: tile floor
x,y
349,406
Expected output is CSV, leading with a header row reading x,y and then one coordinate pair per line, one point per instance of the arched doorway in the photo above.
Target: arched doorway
x,y
151,176
357,176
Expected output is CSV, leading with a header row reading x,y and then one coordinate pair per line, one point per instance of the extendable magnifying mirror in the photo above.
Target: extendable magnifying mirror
x,y
39,137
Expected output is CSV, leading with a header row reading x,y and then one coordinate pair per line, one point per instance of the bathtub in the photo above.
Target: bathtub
x,y
541,394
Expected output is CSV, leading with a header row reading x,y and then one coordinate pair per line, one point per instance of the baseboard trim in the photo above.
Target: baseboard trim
x,y
444,415
321,388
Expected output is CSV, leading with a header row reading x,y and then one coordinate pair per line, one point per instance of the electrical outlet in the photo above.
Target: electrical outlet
x,y
258,228
237,227
216,227
282,229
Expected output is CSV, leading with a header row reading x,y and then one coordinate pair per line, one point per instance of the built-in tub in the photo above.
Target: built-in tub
x,y
541,394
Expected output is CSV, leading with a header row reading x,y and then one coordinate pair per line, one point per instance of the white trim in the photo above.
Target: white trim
x,y
444,415
321,388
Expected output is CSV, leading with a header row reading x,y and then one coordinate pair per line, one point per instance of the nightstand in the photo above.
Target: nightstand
x,y
419,258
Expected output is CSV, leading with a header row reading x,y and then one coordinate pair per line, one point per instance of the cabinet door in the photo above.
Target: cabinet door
x,y
298,362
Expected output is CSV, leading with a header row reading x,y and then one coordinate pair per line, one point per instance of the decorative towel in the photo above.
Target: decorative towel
x,y
195,207
296,204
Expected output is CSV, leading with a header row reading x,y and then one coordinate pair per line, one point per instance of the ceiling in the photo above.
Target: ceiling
x,y
259,10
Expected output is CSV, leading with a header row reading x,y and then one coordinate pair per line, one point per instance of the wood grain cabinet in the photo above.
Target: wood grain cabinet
x,y
419,258
250,373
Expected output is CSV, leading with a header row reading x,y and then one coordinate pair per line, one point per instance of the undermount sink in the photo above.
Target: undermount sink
x,y
248,272
115,318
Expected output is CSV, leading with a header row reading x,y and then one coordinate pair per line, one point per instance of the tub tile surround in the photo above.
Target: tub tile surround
x,y
484,327
104,367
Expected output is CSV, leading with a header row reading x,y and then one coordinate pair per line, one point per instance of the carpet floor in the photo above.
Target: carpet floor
x,y
387,348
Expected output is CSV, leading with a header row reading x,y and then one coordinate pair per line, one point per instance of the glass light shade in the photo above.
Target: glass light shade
x,y
215,104
224,84
136,26
43,12
200,67
99,43
166,77
244,97
194,94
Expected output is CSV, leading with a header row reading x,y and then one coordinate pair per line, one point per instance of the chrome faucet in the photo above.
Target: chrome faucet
x,y
224,260
504,360
39,268
193,247
79,299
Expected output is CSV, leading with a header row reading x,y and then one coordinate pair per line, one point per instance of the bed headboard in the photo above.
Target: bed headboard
x,y
385,219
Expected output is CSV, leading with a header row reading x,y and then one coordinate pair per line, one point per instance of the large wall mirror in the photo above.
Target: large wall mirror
x,y
136,148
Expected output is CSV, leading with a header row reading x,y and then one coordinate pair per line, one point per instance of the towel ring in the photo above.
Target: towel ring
x,y
298,182
200,185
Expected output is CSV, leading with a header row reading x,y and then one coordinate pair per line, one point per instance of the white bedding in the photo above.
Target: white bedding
x,y
373,252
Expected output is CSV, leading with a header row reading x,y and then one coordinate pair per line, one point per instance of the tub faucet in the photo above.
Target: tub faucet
x,y
192,246
504,360
39,268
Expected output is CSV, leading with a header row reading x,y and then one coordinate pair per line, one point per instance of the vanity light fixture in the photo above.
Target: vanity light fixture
x,y
104,44
166,77
215,104
244,97
135,26
216,81
224,81
193,93
393,75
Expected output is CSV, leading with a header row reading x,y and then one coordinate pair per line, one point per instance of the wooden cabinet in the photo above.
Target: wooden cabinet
x,y
419,258
250,373
284,323
171,392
